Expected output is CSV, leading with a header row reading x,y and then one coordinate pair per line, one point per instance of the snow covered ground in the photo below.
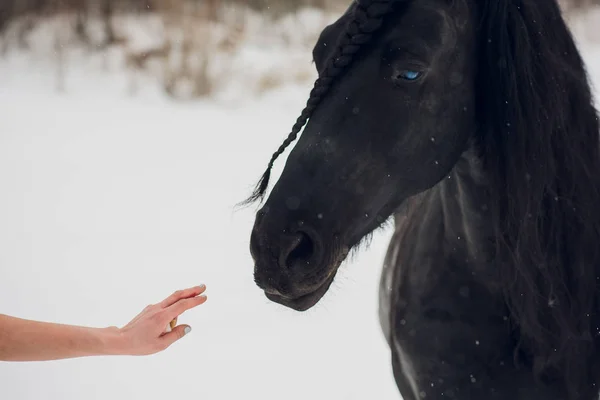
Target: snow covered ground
x,y
110,202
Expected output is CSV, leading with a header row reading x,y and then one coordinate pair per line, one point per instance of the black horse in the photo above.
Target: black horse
x,y
472,124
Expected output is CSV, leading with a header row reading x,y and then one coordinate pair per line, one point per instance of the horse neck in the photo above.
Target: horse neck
x,y
464,202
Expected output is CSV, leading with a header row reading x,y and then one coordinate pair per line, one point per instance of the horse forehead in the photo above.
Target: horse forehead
x,y
429,20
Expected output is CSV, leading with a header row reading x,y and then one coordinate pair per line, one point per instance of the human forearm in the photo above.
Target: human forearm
x,y
25,340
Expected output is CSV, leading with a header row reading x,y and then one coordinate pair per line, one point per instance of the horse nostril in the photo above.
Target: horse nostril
x,y
300,250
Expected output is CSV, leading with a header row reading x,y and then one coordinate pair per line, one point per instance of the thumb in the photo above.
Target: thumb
x,y
177,333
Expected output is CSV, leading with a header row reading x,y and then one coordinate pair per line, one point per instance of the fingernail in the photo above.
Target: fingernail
x,y
187,330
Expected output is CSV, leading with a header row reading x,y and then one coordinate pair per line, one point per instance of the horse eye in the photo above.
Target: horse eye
x,y
408,75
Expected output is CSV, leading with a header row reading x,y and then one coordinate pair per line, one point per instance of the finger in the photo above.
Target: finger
x,y
182,294
176,334
183,305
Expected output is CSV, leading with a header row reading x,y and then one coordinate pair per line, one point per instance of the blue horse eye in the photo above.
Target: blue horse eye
x,y
409,75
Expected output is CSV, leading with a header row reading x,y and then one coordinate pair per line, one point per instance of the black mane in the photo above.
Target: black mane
x,y
540,145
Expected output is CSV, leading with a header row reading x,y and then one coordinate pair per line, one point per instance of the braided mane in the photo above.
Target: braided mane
x,y
367,19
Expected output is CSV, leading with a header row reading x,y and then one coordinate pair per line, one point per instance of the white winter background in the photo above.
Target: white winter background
x,y
112,198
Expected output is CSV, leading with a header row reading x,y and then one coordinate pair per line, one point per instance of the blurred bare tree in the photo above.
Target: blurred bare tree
x,y
576,5
196,31
15,8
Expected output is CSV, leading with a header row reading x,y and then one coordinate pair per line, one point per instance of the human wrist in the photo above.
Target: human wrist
x,y
112,342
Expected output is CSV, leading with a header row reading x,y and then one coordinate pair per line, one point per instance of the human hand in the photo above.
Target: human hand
x,y
148,332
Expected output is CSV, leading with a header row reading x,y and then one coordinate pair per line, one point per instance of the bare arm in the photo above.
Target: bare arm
x,y
26,340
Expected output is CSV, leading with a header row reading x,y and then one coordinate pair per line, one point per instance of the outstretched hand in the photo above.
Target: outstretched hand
x,y
149,332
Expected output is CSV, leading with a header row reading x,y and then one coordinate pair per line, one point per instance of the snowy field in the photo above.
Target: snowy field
x,y
111,201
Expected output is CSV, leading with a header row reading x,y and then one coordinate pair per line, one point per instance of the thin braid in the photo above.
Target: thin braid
x,y
367,18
